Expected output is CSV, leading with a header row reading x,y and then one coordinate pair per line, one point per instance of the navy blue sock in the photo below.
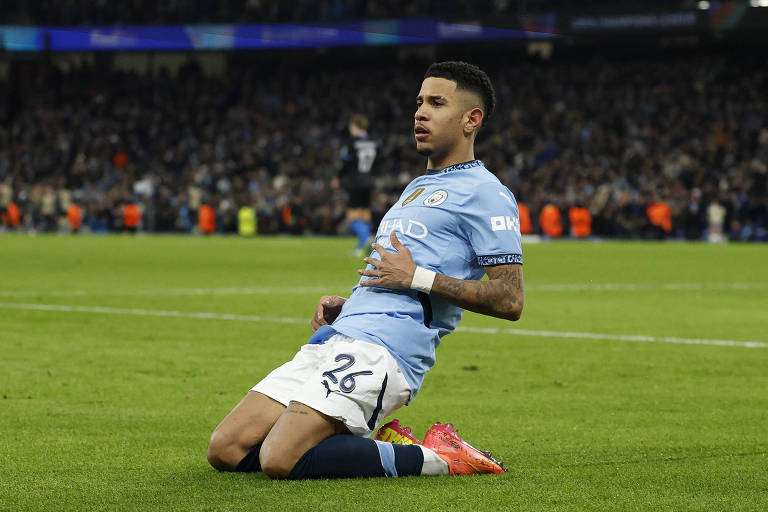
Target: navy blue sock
x,y
250,463
348,456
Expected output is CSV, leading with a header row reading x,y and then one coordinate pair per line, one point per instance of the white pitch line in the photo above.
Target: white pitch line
x,y
151,312
631,287
552,287
618,337
289,320
173,292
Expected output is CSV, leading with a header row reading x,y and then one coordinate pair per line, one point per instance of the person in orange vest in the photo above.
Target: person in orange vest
x,y
526,226
206,219
660,215
11,217
287,216
581,221
74,217
131,217
550,221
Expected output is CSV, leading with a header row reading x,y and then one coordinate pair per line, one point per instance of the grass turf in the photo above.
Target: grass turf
x,y
112,411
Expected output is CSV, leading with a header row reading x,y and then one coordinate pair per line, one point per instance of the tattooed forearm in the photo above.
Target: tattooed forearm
x,y
501,296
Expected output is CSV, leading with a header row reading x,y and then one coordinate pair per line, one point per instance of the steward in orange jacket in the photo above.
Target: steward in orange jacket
x,y
581,221
12,216
206,219
75,217
550,221
526,226
131,217
660,215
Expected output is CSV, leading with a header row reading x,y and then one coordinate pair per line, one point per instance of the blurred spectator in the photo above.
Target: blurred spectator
x,y
716,218
246,221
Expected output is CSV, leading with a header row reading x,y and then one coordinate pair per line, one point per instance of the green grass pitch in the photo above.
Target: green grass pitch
x,y
104,408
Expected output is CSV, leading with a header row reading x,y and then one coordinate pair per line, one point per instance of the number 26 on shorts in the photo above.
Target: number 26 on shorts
x,y
346,382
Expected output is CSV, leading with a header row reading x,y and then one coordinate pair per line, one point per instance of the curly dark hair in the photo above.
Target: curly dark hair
x,y
467,77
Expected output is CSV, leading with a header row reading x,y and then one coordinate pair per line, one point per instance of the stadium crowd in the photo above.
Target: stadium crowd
x,y
670,147
138,12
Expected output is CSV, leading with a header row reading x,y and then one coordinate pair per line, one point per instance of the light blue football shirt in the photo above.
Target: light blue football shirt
x,y
454,221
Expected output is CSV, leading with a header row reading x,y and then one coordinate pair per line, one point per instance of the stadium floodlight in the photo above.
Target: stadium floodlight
x,y
703,5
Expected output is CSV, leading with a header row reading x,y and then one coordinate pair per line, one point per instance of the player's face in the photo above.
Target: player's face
x,y
438,118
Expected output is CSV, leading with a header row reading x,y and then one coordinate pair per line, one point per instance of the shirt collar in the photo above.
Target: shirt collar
x,y
456,167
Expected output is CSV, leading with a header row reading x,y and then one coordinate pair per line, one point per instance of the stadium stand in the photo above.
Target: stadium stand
x,y
615,135
82,12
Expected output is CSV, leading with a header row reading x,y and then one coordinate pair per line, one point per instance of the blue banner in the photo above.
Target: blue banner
x,y
242,37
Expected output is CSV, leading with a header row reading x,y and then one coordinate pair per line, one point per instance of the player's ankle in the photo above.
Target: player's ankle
x,y
434,464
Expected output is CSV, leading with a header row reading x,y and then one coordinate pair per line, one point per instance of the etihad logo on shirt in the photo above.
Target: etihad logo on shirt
x,y
416,193
505,223
410,227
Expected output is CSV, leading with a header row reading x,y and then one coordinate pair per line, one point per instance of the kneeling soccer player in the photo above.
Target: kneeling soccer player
x,y
312,417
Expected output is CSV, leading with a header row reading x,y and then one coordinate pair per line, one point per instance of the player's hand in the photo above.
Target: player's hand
x,y
328,308
393,270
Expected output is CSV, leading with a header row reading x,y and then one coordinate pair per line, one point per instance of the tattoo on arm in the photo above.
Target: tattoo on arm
x,y
500,296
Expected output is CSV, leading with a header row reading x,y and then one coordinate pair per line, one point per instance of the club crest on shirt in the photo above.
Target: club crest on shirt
x,y
416,193
436,198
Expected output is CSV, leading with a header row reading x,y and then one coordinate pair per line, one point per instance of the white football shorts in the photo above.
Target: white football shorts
x,y
353,381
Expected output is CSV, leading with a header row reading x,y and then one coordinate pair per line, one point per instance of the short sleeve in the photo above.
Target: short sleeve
x,y
492,224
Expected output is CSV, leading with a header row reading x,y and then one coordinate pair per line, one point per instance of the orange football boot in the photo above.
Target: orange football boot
x,y
462,457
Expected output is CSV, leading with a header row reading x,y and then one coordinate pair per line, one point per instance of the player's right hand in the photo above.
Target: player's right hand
x,y
328,308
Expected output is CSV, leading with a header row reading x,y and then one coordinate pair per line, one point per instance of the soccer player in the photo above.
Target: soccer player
x,y
357,159
312,417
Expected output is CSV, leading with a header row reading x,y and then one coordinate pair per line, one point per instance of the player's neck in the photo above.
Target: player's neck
x,y
454,157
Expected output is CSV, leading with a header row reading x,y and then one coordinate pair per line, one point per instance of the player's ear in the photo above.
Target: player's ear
x,y
473,119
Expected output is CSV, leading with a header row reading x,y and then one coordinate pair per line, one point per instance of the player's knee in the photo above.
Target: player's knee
x,y
275,469
275,465
221,451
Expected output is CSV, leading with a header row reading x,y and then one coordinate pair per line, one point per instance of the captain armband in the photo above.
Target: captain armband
x,y
423,280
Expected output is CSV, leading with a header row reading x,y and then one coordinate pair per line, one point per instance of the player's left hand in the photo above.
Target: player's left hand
x,y
393,270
